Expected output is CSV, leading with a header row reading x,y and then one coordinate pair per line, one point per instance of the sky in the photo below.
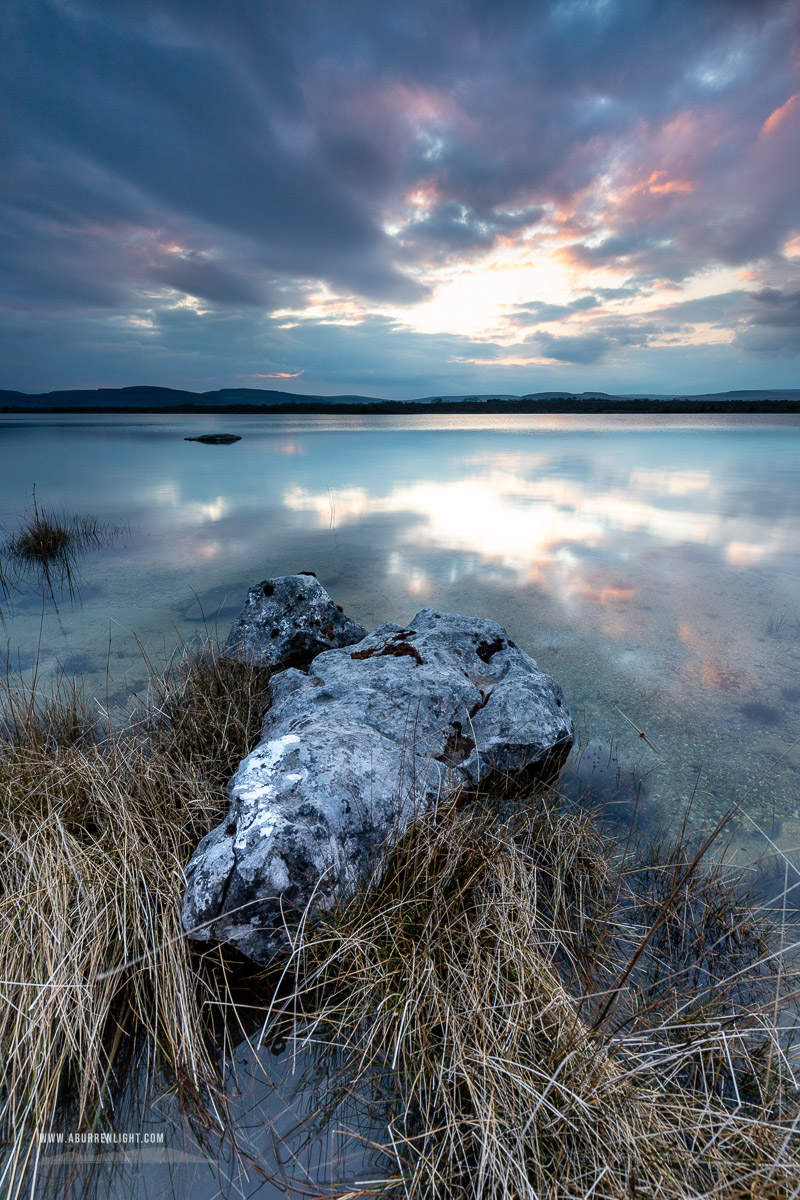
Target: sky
x,y
427,197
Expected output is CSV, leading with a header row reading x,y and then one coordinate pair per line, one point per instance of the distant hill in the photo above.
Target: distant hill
x,y
158,399
161,397
745,397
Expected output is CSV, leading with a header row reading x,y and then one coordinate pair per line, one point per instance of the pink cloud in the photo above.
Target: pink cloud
x,y
658,185
777,118
275,374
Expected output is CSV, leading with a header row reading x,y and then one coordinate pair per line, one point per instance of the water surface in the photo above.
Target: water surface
x,y
651,564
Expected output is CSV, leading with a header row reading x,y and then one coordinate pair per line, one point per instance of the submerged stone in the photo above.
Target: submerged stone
x,y
288,621
351,751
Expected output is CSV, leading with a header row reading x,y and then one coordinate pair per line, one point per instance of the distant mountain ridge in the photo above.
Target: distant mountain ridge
x,y
156,398
751,396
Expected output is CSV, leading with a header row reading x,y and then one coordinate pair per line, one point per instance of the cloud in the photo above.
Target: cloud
x,y
721,310
186,348
276,374
239,158
198,275
579,349
784,113
777,308
452,227
538,313
773,325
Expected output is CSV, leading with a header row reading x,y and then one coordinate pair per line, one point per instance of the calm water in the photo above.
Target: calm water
x,y
652,565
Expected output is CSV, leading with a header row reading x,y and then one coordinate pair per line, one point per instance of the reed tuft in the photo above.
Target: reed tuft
x,y
97,826
47,545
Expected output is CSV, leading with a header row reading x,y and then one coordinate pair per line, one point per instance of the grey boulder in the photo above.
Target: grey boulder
x,y
374,733
287,621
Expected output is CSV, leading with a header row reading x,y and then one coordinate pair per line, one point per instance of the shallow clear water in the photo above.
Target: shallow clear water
x,y
652,565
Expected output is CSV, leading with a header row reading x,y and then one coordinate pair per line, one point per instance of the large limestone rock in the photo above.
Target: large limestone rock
x,y
287,621
350,751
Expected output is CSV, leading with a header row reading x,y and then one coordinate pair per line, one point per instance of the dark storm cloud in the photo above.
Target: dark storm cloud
x,y
537,312
182,125
452,227
720,310
773,324
778,308
236,153
579,349
765,323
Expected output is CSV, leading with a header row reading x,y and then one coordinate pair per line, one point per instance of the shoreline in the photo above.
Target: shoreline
x,y
414,408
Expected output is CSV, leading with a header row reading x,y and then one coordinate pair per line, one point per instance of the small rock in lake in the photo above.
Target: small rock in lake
x,y
215,439
372,735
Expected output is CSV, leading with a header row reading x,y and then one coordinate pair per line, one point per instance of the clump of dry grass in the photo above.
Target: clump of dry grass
x,y
97,826
525,1007
463,998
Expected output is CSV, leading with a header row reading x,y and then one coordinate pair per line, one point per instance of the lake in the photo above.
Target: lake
x,y
651,564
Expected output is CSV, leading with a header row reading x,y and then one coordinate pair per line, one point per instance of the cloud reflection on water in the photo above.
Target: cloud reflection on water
x,y
651,565
527,519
